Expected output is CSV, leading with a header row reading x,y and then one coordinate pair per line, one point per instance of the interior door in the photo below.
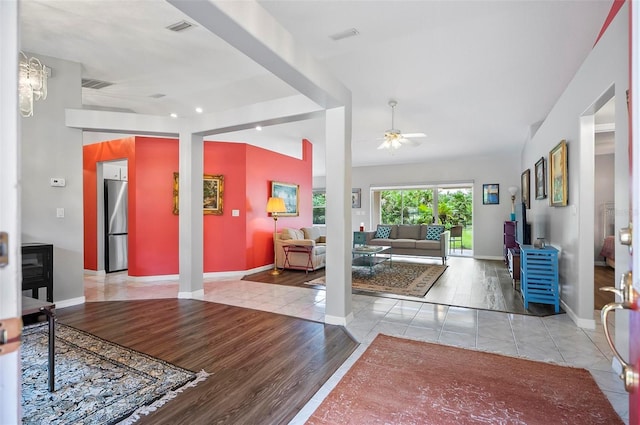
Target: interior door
x,y
634,191
10,270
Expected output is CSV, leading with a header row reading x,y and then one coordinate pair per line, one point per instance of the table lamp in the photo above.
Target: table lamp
x,y
513,190
275,206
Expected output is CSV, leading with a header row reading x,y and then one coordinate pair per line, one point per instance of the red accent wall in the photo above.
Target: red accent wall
x,y
230,243
615,8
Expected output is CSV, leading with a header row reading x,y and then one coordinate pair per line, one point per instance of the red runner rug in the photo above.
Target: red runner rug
x,y
400,381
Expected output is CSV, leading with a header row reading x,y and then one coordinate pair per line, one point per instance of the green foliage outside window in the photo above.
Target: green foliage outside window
x,y
415,206
319,202
406,206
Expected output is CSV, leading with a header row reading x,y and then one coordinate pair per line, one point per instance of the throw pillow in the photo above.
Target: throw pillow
x,y
383,232
434,231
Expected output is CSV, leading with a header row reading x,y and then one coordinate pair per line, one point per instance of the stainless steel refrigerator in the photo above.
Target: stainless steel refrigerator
x,y
115,217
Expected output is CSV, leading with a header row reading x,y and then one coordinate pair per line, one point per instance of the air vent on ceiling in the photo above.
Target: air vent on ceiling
x,y
351,32
158,95
180,26
89,83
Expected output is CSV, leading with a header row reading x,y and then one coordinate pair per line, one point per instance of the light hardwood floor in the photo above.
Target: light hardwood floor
x,y
264,367
467,282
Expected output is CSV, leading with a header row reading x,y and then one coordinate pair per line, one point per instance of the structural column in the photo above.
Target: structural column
x,y
191,251
338,216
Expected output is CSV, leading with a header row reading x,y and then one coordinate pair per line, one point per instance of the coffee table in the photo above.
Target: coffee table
x,y
369,256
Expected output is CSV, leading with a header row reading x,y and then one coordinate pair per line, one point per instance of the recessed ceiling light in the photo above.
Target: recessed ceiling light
x,y
199,110
258,127
174,115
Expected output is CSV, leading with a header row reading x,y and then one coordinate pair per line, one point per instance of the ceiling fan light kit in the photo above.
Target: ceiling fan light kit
x,y
393,138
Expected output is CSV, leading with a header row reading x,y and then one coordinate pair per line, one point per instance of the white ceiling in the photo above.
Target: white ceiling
x,y
472,75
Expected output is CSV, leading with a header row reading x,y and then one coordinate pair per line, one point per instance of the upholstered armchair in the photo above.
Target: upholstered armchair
x,y
310,258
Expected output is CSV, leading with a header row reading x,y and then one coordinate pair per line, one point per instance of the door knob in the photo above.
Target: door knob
x,y
629,375
626,291
625,236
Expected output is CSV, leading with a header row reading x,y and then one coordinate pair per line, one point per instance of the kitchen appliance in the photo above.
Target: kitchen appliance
x,y
115,217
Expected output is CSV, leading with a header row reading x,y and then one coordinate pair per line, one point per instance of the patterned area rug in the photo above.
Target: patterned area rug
x,y
401,278
400,381
97,382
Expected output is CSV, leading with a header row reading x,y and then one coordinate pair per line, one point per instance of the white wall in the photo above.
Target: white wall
x,y
571,227
604,194
50,149
487,219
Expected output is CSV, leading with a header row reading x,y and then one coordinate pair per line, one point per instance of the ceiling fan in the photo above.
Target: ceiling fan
x,y
394,138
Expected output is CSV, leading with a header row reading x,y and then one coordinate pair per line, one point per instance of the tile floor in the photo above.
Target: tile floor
x,y
552,339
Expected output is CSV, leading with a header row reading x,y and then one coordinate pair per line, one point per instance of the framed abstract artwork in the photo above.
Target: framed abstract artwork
x,y
558,175
541,179
491,194
356,198
525,184
290,193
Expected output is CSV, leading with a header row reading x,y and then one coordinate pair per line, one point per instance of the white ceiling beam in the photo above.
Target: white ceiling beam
x,y
253,31
278,111
121,122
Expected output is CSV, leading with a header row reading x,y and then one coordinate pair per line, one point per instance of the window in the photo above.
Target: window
x,y
319,205
414,206
447,204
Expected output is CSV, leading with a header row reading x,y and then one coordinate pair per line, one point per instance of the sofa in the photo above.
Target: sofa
x,y
428,240
312,257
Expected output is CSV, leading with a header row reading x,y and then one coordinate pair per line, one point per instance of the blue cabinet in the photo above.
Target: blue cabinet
x,y
539,276
359,238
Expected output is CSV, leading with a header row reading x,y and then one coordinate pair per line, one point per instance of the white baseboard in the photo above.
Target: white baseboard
x,y
195,295
580,322
599,263
70,302
95,272
338,320
153,278
488,257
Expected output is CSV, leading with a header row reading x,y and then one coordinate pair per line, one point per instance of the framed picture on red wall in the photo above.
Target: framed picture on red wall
x,y
212,192
290,194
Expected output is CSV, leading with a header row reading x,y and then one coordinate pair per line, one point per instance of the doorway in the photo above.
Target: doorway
x,y
604,203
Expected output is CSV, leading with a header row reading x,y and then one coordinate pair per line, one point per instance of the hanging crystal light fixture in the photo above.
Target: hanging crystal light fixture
x,y
32,83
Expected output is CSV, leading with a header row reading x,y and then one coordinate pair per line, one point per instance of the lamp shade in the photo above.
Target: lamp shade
x,y
513,190
276,205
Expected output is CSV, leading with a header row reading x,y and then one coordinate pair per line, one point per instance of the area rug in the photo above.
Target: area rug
x,y
96,382
401,278
400,381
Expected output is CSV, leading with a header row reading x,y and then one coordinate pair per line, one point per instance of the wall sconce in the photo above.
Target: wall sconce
x,y
275,206
513,190
32,83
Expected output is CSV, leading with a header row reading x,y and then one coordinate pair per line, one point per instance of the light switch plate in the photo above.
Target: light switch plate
x,y
57,182
235,213
59,212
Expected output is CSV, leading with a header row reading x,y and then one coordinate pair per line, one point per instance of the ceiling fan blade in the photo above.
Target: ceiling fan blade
x,y
383,145
409,142
414,135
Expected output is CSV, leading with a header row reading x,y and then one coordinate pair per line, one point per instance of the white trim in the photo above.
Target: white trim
x,y
95,272
599,263
581,323
195,295
337,320
154,278
487,257
70,302
209,275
